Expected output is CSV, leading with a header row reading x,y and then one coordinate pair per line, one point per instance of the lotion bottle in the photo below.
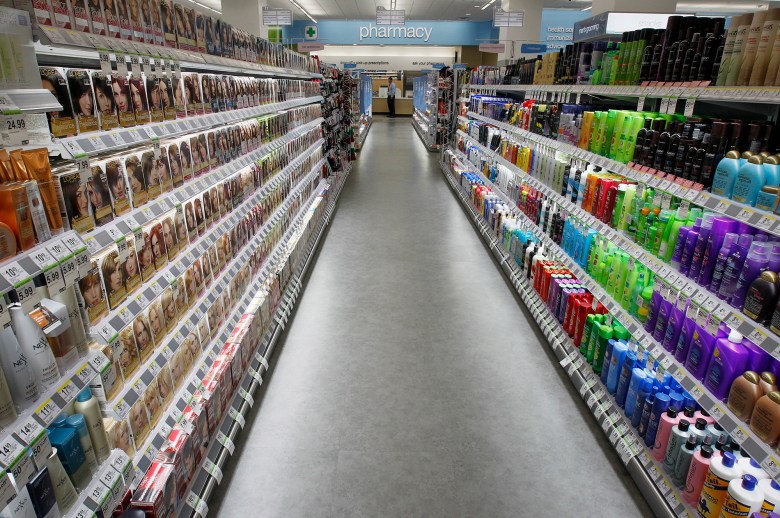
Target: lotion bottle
x,y
694,481
743,496
722,471
78,423
87,404
35,347
771,490
18,371
64,491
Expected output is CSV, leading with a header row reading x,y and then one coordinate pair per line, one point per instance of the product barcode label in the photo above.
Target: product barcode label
x,y
213,470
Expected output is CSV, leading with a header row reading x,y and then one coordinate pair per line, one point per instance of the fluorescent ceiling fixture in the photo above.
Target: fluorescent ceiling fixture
x,y
587,8
721,7
488,4
304,11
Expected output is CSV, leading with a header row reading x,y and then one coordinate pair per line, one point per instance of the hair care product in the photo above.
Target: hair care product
x,y
35,346
750,180
699,353
729,241
660,407
78,423
751,467
761,297
697,472
72,456
744,393
765,421
743,498
677,437
42,494
667,422
684,457
716,484
726,174
729,358
771,490
756,261
64,491
87,404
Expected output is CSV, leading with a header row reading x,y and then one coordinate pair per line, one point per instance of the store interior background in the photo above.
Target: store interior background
x,y
458,27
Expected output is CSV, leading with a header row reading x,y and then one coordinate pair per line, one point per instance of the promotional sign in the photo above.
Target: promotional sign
x,y
308,46
615,24
533,48
494,48
558,27
414,32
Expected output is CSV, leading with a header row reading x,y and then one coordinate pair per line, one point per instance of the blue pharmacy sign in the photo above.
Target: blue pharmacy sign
x,y
350,65
533,48
415,32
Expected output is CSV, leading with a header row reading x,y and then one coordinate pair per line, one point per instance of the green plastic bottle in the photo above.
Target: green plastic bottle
x,y
641,224
586,332
620,279
643,310
632,278
604,334
593,337
663,220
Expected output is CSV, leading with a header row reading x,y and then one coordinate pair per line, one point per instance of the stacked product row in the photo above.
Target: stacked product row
x,y
338,110
93,100
164,23
690,50
706,153
116,185
692,447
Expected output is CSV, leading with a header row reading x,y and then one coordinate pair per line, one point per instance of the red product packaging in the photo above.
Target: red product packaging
x,y
209,401
178,451
156,494
197,417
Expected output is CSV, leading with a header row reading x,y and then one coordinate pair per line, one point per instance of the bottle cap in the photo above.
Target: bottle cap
x,y
683,425
728,459
701,423
84,395
671,412
689,411
60,421
768,377
751,376
691,442
775,485
77,421
735,337
755,464
706,451
749,482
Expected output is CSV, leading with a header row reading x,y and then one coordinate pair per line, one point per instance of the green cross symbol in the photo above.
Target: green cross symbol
x,y
311,32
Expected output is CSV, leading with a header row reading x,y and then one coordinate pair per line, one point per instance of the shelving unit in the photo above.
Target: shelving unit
x,y
660,493
31,100
426,119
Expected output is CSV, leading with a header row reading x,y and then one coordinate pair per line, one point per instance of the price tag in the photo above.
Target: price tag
x,y
105,62
770,465
121,65
34,435
255,375
85,374
84,512
47,411
225,441
156,288
259,357
213,470
142,301
22,468
739,435
14,130
640,104
68,391
109,477
716,412
126,315
79,250
689,103
198,505
139,386
7,106
99,494
50,268
99,362
237,417
107,332
246,396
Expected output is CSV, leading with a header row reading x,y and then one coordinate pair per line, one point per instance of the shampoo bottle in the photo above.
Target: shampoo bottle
x,y
744,393
64,491
78,423
677,438
729,358
35,346
750,180
87,404
743,498
694,481
18,371
726,174
765,421
729,241
660,407
667,422
761,297
716,484
684,458
771,490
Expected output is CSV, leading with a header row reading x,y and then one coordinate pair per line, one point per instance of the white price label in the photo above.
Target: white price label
x,y
68,391
197,505
99,362
237,417
225,441
85,374
246,396
47,411
213,470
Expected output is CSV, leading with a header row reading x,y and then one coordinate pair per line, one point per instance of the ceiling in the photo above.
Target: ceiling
x,y
415,9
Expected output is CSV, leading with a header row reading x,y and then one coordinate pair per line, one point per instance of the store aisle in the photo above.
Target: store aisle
x,y
410,382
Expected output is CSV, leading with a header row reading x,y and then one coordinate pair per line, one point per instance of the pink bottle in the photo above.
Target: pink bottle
x,y
668,421
700,464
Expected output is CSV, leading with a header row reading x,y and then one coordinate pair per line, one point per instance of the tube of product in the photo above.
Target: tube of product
x,y
765,46
35,347
751,48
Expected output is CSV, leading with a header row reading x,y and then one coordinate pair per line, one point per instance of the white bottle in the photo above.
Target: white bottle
x,y
744,498
7,409
722,471
64,491
35,347
771,491
751,467
18,371
87,404
68,297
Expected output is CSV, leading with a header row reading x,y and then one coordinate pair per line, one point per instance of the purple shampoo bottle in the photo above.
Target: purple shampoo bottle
x,y
720,227
701,246
756,262
699,352
720,263
733,268
729,358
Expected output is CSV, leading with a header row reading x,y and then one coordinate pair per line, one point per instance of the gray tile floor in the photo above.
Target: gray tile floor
x,y
411,382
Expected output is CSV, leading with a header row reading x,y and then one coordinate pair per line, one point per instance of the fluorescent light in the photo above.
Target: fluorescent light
x,y
488,4
587,8
304,11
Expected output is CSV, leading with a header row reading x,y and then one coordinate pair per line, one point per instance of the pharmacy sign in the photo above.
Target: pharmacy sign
x,y
310,32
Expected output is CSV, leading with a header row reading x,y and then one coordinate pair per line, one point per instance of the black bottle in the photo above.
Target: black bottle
x,y
694,50
661,147
641,141
690,159
671,153
698,164
679,159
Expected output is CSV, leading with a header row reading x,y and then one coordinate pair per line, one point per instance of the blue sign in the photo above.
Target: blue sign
x,y
459,66
533,48
438,66
558,26
350,65
415,32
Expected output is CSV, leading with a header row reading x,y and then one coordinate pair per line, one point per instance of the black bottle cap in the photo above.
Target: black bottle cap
x,y
671,412
689,411
683,425
701,423
691,442
706,451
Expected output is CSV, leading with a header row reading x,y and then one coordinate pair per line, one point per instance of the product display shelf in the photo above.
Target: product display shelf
x,y
173,414
699,295
658,490
110,325
757,218
423,130
32,100
362,133
57,46
104,237
135,387
121,138
561,93
115,476
61,260
28,433
210,473
739,431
